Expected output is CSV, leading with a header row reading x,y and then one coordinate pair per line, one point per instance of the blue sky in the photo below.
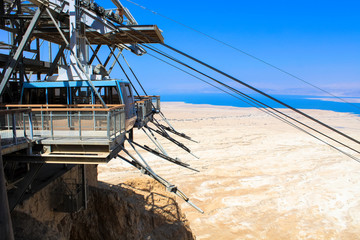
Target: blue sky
x,y
318,41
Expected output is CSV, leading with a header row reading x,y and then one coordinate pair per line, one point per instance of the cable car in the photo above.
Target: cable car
x,y
113,91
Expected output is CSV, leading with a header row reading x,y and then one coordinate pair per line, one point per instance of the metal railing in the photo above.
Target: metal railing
x,y
82,121
13,128
156,103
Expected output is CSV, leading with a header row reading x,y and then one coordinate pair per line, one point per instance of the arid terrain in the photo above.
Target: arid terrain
x,y
259,178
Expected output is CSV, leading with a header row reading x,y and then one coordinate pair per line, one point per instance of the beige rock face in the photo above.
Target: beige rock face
x,y
260,178
121,213
137,209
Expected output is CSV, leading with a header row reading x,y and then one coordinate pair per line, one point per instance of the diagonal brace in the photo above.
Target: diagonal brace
x,y
16,197
15,59
77,60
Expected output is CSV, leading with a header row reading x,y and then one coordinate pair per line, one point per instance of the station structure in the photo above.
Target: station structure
x,y
60,112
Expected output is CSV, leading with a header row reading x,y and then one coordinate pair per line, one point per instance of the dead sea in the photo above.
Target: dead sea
x,y
259,178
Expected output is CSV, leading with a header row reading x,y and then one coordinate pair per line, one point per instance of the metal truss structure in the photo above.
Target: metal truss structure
x,y
75,113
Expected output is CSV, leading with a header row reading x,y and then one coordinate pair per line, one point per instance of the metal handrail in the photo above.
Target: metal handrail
x,y
10,126
47,121
8,111
64,107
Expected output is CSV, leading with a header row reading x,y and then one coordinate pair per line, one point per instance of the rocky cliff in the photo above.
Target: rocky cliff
x,y
140,209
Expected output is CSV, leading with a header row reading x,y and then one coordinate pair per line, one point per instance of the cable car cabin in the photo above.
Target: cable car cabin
x,y
79,93
69,124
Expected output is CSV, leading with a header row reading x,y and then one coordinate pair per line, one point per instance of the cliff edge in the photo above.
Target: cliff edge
x,y
139,209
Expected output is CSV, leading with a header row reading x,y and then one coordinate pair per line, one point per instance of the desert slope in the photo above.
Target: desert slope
x,y
260,178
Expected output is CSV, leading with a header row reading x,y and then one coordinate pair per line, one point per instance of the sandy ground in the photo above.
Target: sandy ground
x,y
259,178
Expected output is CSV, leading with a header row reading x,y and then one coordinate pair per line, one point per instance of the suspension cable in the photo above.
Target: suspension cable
x,y
242,83
247,54
134,74
265,110
117,60
253,99
250,87
262,93
138,81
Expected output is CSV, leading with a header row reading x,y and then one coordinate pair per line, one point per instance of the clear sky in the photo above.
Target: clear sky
x,y
318,41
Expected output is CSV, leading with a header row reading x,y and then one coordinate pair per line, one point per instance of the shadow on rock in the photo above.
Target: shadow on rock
x,y
127,212
140,209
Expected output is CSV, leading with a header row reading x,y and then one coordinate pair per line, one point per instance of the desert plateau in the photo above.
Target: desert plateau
x,y
259,178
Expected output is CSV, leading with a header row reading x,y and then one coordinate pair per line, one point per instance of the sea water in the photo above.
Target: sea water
x,y
296,101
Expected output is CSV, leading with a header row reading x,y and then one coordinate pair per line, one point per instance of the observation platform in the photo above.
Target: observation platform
x,y
74,134
83,133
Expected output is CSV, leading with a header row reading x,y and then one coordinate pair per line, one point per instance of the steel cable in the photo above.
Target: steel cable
x,y
246,85
267,111
240,82
247,54
249,97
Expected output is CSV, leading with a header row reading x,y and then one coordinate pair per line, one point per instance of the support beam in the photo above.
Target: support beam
x,y
84,182
15,59
13,4
2,12
6,231
16,197
114,62
117,60
56,60
77,60
155,141
94,54
107,60
38,45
